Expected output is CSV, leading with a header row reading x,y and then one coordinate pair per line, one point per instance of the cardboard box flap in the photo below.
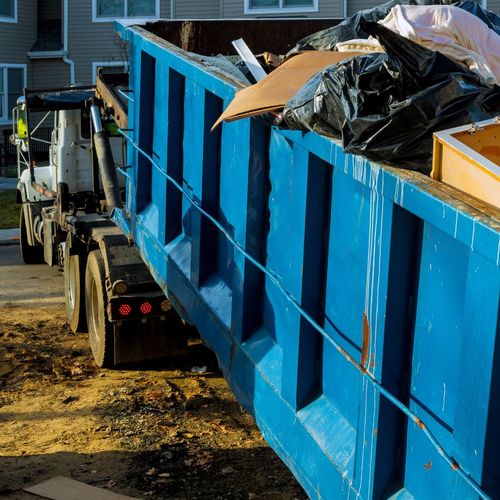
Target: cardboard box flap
x,y
276,89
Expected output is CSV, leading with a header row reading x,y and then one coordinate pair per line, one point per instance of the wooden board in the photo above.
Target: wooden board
x,y
64,488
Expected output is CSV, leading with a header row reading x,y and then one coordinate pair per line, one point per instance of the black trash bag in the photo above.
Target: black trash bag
x,y
386,106
351,28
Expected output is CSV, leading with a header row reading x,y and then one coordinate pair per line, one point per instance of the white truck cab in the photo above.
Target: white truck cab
x,y
70,152
57,175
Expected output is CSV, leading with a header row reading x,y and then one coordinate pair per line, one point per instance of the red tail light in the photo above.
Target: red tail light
x,y
146,308
125,309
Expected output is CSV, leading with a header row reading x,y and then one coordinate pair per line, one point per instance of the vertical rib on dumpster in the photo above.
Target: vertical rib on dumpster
x,y
251,166
406,237
309,355
175,134
146,118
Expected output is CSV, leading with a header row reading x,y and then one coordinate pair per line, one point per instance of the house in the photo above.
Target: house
x,y
52,43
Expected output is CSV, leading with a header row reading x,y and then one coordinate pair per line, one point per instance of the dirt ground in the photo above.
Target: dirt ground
x,y
160,432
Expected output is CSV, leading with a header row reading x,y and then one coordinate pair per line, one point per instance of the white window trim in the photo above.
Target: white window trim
x,y
10,19
106,64
8,120
280,10
96,19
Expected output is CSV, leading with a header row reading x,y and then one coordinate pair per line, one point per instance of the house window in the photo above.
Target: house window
x,y
109,10
280,6
108,67
8,11
12,83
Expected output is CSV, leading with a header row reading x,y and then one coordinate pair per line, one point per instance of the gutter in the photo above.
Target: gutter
x,y
65,43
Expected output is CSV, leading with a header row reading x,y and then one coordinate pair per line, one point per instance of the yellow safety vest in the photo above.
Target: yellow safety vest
x,y
22,129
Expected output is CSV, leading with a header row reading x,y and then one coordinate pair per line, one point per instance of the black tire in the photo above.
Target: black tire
x,y
30,255
74,289
100,329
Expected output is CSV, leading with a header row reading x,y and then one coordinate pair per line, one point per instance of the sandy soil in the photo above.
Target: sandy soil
x,y
150,433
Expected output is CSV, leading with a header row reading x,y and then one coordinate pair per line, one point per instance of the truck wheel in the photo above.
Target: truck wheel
x,y
74,290
30,255
100,329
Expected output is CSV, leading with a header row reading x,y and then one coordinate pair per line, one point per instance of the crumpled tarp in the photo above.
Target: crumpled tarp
x,y
385,106
452,31
351,28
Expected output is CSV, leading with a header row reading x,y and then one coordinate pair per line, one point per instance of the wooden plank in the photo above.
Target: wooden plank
x,y
64,488
106,92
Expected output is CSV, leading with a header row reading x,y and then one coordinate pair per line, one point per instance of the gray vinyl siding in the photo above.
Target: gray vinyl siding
x,y
354,6
90,42
49,73
494,5
189,9
233,8
165,9
17,38
326,8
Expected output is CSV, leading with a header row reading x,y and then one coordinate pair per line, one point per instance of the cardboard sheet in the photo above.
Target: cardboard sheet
x,y
64,488
276,89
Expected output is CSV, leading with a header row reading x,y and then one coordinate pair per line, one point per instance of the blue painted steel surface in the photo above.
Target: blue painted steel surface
x,y
354,309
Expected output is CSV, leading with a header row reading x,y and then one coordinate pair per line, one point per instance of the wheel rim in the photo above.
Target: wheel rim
x,y
95,322
71,285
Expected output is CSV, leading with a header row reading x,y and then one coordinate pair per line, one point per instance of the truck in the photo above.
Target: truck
x,y
64,220
353,307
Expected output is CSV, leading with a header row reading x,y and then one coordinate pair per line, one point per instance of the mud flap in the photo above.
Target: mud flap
x,y
135,341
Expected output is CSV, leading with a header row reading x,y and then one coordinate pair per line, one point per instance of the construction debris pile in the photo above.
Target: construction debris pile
x,y
405,70
386,106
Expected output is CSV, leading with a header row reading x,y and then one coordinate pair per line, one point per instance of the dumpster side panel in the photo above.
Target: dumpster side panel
x,y
354,309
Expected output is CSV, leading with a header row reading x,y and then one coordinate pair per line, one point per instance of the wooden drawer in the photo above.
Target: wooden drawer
x,y
468,158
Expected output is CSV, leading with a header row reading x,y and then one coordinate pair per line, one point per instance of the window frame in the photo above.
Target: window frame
x,y
106,64
97,19
12,19
8,119
281,9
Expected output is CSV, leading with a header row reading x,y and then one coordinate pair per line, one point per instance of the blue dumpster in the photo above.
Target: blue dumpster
x,y
353,307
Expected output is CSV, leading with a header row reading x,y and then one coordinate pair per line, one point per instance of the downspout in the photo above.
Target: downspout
x,y
345,9
65,43
172,9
